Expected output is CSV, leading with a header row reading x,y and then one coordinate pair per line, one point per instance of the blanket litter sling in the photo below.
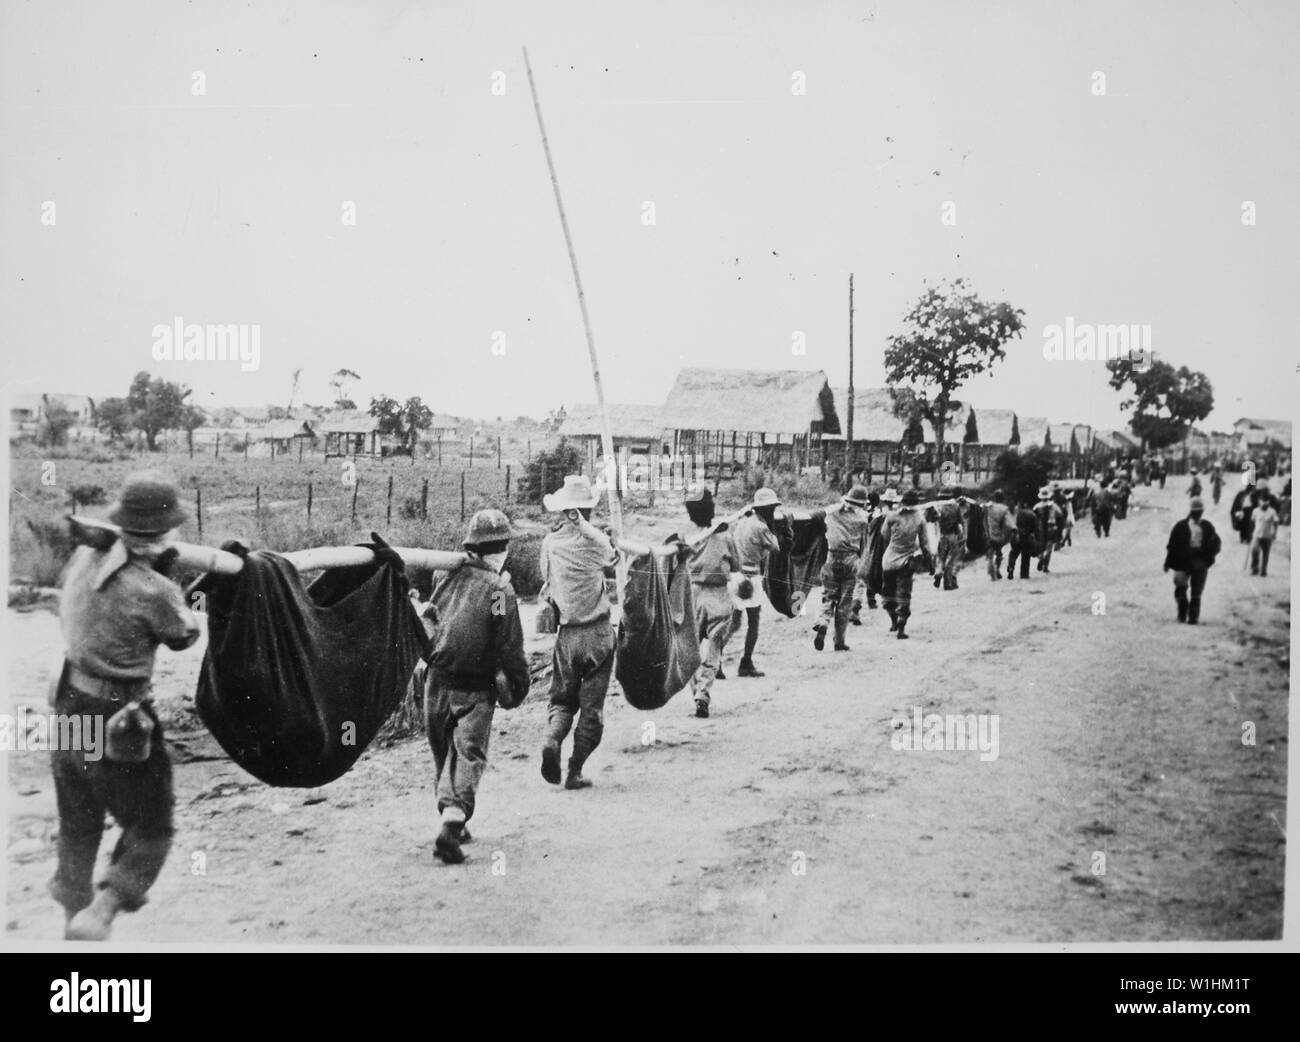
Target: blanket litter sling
x,y
298,679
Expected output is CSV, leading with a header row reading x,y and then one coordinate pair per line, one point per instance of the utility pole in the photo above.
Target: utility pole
x,y
848,434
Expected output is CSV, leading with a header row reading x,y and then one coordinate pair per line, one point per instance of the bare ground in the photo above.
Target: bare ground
x,y
1120,735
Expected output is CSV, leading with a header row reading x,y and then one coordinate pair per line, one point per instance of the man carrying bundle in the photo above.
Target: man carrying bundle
x,y
869,576
577,561
1050,520
998,526
714,564
905,534
846,540
952,541
117,606
473,622
755,536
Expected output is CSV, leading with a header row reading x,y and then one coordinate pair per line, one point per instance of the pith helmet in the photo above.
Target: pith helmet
x,y
487,526
149,503
1044,493
857,496
890,496
576,494
765,497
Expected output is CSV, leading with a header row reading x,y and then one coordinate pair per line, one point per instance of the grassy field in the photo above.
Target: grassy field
x,y
258,501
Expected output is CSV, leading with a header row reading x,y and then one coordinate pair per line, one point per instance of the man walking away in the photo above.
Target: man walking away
x,y
1062,499
1049,524
1191,550
998,525
714,562
952,541
756,538
576,562
116,607
1025,541
905,534
846,541
1216,482
473,624
1265,520
1099,505
1194,489
1243,507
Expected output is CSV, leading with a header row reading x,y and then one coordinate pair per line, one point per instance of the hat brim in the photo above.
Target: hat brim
x,y
146,524
557,502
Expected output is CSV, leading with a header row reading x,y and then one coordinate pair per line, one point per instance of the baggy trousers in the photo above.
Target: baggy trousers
x,y
581,664
713,620
1195,577
993,555
750,618
138,795
898,592
459,724
1101,522
952,547
839,576
1259,551
1020,552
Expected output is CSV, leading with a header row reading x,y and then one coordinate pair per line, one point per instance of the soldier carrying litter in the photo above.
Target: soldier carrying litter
x,y
117,606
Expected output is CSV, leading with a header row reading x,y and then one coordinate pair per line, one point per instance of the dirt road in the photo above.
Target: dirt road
x,y
1122,804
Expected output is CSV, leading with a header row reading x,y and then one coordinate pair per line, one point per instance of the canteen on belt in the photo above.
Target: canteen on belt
x,y
129,735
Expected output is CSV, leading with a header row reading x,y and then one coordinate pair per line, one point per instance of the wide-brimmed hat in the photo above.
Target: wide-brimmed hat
x,y
1044,493
733,588
575,494
890,495
487,526
910,498
765,497
149,504
857,496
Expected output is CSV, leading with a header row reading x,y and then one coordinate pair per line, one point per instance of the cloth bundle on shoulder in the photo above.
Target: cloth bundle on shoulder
x,y
658,647
298,679
977,537
793,571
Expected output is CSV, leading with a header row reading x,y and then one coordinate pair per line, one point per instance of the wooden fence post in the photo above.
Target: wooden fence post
x,y
388,516
439,450
299,450
356,485
462,495
498,452
424,501
471,450
258,507
198,507
309,490
216,451
507,482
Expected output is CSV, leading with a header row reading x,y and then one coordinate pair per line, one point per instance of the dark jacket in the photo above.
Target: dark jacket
x,y
476,630
1179,554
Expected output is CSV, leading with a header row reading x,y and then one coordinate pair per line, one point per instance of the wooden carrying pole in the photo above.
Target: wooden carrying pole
x,y
848,434
606,434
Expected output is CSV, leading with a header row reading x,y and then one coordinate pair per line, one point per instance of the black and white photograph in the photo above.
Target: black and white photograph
x,y
730,474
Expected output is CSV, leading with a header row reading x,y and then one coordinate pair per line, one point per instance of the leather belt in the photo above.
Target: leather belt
x,y
116,689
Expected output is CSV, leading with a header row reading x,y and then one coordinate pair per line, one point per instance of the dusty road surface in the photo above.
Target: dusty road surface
x,y
1122,803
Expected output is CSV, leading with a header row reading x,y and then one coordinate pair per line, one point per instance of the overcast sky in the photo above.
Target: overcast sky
x,y
227,207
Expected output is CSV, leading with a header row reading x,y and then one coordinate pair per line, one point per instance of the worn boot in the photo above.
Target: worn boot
x,y
819,641
893,620
747,669
901,633
446,847
551,762
1181,598
95,922
574,779
1194,611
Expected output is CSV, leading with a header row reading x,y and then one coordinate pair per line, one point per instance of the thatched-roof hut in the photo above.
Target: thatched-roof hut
x,y
881,441
1035,432
996,431
728,418
636,431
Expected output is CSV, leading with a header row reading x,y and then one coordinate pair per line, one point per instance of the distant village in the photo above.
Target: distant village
x,y
728,419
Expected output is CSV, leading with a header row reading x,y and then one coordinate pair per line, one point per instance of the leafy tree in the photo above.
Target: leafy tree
x,y
277,412
555,418
156,405
1021,474
55,424
547,469
1165,401
950,336
339,385
417,417
114,417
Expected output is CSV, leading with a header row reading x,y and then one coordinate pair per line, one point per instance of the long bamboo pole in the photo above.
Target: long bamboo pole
x,y
606,434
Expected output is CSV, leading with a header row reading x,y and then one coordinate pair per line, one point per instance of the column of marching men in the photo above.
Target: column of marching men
x,y
119,604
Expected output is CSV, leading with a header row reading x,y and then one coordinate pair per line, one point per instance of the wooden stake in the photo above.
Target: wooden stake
x,y
850,453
